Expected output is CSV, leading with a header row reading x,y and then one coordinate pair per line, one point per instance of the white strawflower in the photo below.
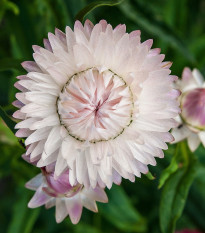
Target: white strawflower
x,y
97,101
69,200
191,123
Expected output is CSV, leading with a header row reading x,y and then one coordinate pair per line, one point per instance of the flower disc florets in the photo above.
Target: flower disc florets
x,y
95,106
97,101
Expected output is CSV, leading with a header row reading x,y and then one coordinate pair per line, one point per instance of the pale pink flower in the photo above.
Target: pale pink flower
x,y
188,231
97,101
191,123
69,200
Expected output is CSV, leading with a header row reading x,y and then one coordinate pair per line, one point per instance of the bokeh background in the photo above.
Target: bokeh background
x,y
178,28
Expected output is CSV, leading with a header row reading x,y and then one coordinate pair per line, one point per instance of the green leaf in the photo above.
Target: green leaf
x,y
8,5
81,15
143,16
85,228
10,64
9,122
176,189
30,220
6,136
174,165
23,218
121,213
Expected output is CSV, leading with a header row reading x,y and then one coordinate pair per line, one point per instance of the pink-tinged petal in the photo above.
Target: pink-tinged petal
x,y
103,24
56,44
154,52
35,183
202,137
70,37
174,93
30,66
19,115
97,194
119,31
53,142
23,133
28,159
193,141
36,48
173,78
78,25
49,160
24,124
22,77
61,165
38,135
148,43
135,33
21,97
167,64
180,133
50,203
19,87
61,36
187,74
18,104
89,204
49,192
61,210
117,179
51,120
75,210
88,26
39,199
198,77
47,45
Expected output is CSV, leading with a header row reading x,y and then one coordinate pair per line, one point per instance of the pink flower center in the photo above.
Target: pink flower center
x,y
95,106
193,108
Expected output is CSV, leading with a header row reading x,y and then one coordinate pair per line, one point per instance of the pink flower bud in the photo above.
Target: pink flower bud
x,y
193,108
60,186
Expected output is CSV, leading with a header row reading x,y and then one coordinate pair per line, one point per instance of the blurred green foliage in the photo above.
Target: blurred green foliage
x,y
178,28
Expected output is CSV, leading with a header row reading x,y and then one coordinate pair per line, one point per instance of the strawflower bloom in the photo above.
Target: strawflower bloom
x,y
69,200
97,101
191,123
188,231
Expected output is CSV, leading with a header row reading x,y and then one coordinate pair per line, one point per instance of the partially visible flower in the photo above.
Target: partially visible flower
x,y
69,200
97,101
188,231
191,123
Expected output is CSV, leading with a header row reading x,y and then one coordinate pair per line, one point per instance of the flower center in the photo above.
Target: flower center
x,y
95,106
193,108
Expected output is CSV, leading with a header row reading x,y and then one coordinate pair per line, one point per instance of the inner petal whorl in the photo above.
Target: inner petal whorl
x,y
95,106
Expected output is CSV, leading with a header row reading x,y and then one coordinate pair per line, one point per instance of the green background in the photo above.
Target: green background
x,y
178,28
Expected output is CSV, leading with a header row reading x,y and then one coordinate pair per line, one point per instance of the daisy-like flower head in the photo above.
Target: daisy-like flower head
x,y
97,101
69,200
191,123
